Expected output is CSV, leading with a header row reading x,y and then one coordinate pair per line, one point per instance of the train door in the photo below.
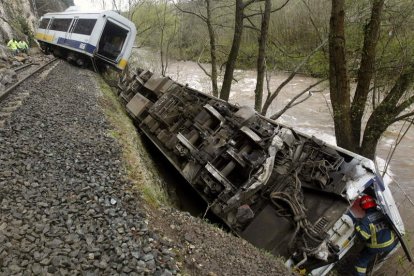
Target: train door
x,y
112,41
68,34
47,31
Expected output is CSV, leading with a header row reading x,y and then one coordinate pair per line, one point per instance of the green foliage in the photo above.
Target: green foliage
x,y
21,27
318,65
24,27
153,18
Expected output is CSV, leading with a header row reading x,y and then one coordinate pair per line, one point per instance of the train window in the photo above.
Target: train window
x,y
44,22
84,26
61,24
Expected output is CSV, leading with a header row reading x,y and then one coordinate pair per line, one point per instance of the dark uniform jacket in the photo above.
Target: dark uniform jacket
x,y
375,230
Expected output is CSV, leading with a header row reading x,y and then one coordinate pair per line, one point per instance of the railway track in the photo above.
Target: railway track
x,y
25,66
4,94
8,104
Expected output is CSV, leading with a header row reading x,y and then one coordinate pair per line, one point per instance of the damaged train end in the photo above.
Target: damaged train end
x,y
281,190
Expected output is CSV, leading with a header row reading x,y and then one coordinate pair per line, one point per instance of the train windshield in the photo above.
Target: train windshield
x,y
112,41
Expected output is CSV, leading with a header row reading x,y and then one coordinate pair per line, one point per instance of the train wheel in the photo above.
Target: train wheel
x,y
80,62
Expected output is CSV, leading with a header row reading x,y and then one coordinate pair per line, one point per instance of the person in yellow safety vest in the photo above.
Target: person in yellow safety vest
x,y
374,229
9,44
12,44
22,45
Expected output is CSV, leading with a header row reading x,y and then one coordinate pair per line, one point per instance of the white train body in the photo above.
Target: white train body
x,y
104,35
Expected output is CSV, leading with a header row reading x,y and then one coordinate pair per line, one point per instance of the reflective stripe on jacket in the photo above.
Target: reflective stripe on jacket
x,y
375,230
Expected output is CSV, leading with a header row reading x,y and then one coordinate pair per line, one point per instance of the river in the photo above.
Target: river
x,y
312,117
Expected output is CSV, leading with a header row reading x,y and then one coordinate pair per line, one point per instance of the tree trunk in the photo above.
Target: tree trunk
x,y
212,51
261,68
338,77
378,122
386,112
163,56
348,120
232,58
366,69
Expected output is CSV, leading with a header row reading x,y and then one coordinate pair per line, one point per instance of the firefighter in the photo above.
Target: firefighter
x,y
374,229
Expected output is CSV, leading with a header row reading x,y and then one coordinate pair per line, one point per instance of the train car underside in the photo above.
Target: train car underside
x,y
72,56
278,189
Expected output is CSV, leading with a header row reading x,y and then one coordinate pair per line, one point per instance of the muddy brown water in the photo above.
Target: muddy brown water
x,y
312,117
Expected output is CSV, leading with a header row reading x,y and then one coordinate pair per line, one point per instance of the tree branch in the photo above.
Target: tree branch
x,y
201,66
403,117
202,17
397,91
143,31
314,24
249,2
222,7
293,102
397,142
289,78
366,69
252,27
272,11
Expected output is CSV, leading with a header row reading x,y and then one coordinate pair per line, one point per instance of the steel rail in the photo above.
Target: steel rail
x,y
23,67
6,92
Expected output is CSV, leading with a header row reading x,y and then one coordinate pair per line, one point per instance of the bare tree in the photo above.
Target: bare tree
x,y
261,57
115,5
208,20
298,99
347,114
162,25
133,6
234,51
165,38
271,96
338,76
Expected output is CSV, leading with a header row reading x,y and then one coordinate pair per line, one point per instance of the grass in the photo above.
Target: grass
x,y
138,165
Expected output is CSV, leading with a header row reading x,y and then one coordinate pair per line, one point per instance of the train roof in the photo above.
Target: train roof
x,y
94,14
73,12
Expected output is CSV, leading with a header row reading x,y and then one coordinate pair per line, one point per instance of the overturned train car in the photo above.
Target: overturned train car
x,y
281,190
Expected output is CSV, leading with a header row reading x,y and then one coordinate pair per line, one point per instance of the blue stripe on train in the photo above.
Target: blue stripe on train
x,y
76,44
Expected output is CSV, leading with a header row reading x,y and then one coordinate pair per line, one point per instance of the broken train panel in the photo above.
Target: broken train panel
x,y
281,190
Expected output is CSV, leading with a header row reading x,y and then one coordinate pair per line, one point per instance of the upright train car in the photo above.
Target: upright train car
x,y
80,36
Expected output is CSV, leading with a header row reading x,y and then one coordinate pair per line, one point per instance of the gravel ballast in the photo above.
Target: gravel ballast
x,y
64,206
67,208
